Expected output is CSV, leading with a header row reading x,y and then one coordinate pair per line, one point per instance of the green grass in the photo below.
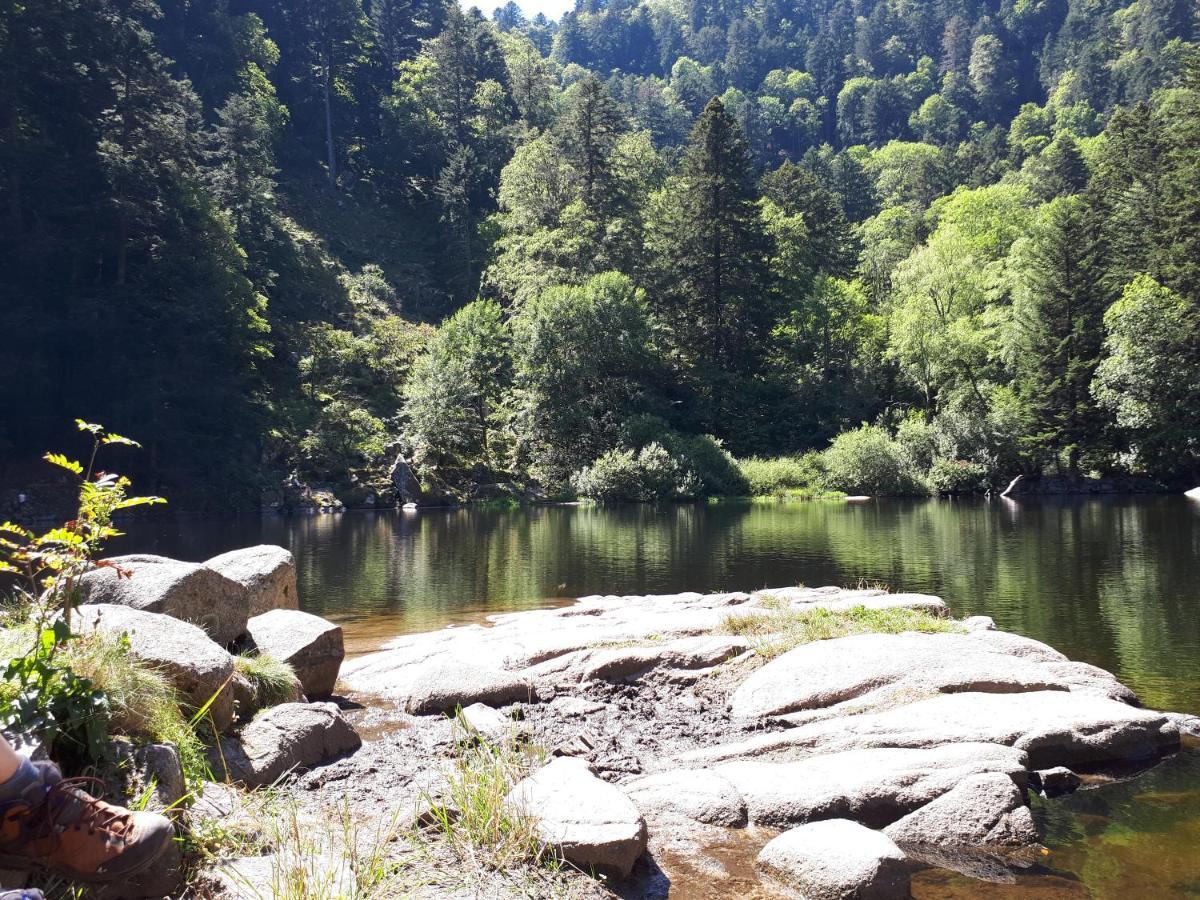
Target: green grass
x,y
273,680
471,815
785,477
773,631
142,704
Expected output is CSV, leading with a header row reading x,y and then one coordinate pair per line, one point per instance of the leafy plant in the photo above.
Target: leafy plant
x,y
50,698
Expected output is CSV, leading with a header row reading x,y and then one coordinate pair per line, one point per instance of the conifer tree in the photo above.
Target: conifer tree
x,y
1059,322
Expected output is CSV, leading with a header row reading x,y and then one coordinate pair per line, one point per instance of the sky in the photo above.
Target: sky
x,y
552,8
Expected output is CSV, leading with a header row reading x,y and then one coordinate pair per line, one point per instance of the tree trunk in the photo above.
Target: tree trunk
x,y
331,154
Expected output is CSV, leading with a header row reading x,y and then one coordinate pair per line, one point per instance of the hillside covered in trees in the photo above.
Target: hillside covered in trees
x,y
960,239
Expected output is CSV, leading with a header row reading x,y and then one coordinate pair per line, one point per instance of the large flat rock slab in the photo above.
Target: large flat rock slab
x,y
1055,728
597,638
592,823
872,668
836,860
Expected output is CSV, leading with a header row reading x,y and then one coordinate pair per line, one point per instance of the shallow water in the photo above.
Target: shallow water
x,y
1112,581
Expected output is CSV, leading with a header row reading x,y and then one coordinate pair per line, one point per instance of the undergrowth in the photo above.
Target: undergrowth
x,y
773,631
273,680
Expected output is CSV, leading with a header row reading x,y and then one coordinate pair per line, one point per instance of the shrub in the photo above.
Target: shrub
x,y
702,455
625,476
868,461
782,475
958,476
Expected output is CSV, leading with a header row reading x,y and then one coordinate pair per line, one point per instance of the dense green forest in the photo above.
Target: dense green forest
x,y
959,239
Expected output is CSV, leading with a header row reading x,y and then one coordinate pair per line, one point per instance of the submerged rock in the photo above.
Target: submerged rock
x,y
187,591
594,824
837,860
267,572
312,646
196,666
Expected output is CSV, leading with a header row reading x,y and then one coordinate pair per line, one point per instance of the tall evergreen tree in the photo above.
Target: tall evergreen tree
x,y
1059,324
588,132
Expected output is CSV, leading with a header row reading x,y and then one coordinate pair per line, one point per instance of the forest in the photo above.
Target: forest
x,y
658,249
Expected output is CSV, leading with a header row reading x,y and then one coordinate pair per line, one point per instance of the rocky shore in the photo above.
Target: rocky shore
x,y
802,742
842,765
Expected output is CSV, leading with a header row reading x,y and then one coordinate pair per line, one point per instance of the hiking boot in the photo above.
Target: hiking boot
x,y
68,831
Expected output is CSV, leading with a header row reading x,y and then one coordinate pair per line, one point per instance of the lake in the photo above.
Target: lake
x,y
1113,581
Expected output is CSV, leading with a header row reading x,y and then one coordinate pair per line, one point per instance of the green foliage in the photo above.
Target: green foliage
x,y
868,461
643,476
47,698
957,476
1150,376
783,476
581,356
273,680
243,211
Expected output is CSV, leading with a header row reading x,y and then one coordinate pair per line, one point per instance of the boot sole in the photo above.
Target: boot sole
x,y
25,864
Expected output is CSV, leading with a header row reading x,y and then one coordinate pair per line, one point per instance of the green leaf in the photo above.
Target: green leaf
x,y
88,426
62,462
119,439
139,501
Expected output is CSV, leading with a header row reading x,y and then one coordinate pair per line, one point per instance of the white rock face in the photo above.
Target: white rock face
x,y
267,572
982,811
196,665
187,591
871,668
285,738
837,860
593,823
606,638
874,787
312,646
699,795
1054,727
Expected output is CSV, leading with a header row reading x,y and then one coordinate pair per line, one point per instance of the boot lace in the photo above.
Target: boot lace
x,y
69,806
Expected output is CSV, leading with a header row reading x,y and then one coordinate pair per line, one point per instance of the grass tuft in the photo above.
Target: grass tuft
x,y
471,814
775,631
274,681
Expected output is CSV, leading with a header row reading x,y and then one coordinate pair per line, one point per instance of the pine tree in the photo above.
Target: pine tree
x,y
713,281
588,132
1059,320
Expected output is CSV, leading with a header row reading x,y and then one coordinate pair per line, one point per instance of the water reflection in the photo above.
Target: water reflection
x,y
1113,581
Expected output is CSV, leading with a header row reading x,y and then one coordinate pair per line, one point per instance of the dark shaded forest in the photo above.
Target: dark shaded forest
x,y
655,250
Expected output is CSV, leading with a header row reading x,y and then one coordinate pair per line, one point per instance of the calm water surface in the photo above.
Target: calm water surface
x,y
1113,581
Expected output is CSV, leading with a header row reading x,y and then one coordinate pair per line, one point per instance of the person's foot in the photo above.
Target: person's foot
x,y
26,894
72,833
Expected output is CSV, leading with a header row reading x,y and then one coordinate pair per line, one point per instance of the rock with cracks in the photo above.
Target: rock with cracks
x,y
285,738
874,668
985,811
196,666
267,572
183,590
311,645
837,860
594,825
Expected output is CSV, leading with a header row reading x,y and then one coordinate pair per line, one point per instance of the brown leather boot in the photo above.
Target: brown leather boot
x,y
72,833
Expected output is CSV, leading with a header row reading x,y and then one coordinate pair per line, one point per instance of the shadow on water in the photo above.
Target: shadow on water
x,y
1113,581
